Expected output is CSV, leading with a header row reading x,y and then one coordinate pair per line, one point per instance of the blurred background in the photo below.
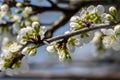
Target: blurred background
x,y
84,64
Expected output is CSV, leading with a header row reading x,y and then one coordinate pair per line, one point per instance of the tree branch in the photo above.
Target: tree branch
x,y
93,27
52,3
6,24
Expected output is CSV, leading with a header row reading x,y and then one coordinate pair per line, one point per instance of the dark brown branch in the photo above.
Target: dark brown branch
x,y
52,3
6,24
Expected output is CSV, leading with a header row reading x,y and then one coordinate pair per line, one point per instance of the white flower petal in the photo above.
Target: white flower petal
x,y
16,26
116,45
43,30
51,49
107,31
78,43
71,48
117,29
104,19
73,26
82,13
91,9
100,9
74,18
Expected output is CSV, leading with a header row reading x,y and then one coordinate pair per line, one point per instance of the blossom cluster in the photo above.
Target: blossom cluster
x,y
104,39
30,33
27,29
61,50
9,52
87,16
108,39
12,49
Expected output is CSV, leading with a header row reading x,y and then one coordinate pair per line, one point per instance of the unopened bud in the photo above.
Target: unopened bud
x,y
117,29
109,18
19,5
113,11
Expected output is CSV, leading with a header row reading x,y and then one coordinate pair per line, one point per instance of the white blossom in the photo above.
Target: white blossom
x,y
108,31
42,31
29,50
100,9
9,49
25,51
21,40
78,42
19,5
14,47
107,41
62,56
71,48
117,29
97,38
73,26
35,24
74,18
51,49
23,33
91,9
15,18
32,52
4,8
28,10
113,11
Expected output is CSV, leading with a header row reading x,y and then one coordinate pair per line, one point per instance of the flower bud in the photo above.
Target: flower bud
x,y
117,29
28,10
50,49
19,5
27,23
109,18
30,50
74,26
96,39
33,52
18,11
113,11
25,51
4,8
74,18
34,19
36,25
